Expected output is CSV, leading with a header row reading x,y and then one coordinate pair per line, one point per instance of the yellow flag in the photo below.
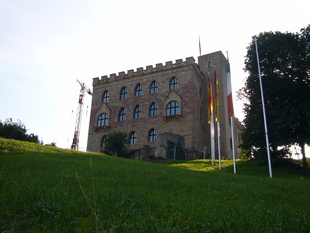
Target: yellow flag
x,y
216,98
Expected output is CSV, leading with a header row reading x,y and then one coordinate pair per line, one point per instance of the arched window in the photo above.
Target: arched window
x,y
153,109
103,120
173,84
103,141
137,112
122,114
133,138
172,108
105,97
123,94
154,87
138,90
152,135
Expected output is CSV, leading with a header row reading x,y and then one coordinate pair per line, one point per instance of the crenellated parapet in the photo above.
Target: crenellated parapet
x,y
141,71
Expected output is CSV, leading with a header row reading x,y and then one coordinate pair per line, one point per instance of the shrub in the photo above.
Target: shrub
x,y
116,143
16,130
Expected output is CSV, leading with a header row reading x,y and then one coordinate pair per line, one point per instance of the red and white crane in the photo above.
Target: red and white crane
x,y
78,121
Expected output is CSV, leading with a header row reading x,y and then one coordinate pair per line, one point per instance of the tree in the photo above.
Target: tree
x,y
285,64
16,130
116,143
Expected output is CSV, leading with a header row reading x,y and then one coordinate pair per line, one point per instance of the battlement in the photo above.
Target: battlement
x,y
140,71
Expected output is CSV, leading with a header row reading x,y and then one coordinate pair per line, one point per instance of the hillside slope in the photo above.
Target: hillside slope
x,y
63,191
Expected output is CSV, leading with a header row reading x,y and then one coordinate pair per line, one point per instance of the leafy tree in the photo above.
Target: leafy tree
x,y
16,130
116,143
285,63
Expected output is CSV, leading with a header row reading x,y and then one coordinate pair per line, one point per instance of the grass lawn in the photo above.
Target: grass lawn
x,y
46,189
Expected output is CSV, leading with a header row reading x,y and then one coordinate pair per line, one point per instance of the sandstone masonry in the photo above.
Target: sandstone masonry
x,y
177,105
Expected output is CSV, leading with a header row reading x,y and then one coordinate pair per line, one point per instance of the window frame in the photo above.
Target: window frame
x,y
105,97
138,90
173,84
122,114
132,138
137,113
152,137
103,120
153,109
123,93
173,108
154,87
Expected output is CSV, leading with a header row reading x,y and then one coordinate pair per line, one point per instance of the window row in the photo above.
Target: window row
x,y
172,109
137,113
173,85
152,136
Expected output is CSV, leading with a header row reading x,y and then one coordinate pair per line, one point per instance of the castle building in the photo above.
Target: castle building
x,y
161,103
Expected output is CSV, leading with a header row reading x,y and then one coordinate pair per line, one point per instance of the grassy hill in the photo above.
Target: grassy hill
x,y
47,189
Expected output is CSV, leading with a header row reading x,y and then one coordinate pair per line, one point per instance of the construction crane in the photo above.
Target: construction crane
x,y
78,121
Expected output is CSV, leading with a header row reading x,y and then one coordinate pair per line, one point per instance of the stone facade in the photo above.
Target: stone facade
x,y
188,119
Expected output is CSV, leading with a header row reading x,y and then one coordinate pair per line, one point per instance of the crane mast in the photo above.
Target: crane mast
x,y
79,113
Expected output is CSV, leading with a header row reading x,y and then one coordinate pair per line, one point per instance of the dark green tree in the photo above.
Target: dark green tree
x,y
116,143
285,64
16,130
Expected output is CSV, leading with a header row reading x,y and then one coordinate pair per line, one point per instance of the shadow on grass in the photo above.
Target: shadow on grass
x,y
281,168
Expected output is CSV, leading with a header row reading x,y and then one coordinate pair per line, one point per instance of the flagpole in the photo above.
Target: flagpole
x,y
211,117
232,123
264,111
219,145
231,113
199,47
217,117
212,139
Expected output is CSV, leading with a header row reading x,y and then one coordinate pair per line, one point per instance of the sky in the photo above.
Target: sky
x,y
46,45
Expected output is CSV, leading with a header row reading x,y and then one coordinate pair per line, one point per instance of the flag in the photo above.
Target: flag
x,y
229,92
216,98
210,104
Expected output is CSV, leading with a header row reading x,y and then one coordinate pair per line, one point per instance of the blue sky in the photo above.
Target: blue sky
x,y
45,45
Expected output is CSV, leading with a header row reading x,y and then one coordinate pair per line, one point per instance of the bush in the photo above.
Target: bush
x,y
116,143
16,130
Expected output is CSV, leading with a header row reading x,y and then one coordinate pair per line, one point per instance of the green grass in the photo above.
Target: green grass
x,y
41,190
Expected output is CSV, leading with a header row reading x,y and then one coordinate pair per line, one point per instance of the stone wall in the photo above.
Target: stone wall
x,y
187,123
190,123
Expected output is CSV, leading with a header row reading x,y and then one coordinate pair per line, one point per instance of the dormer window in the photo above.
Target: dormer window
x,y
172,108
103,120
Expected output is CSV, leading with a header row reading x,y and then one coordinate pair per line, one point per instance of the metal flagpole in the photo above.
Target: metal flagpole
x,y
211,117
216,113
264,111
218,144
231,113
199,47
232,123
212,139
